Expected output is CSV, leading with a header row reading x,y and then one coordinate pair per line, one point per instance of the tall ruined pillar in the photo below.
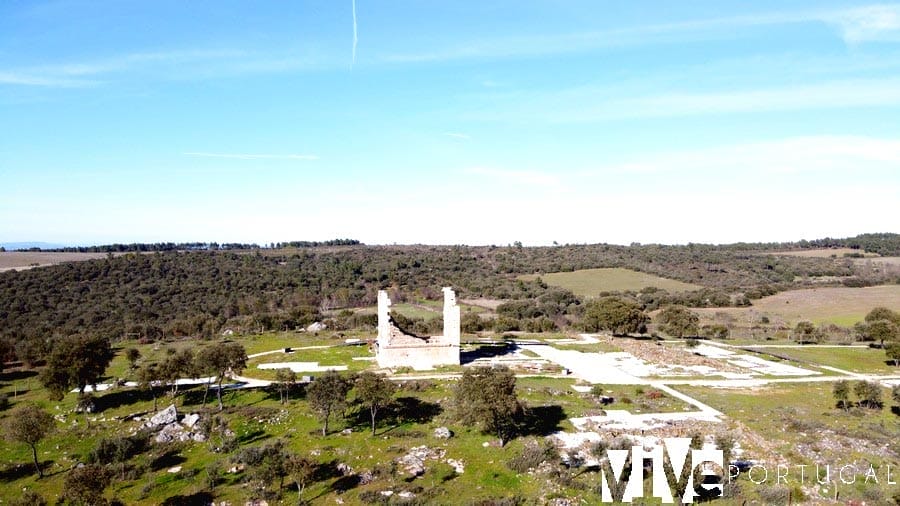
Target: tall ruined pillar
x,y
384,319
451,317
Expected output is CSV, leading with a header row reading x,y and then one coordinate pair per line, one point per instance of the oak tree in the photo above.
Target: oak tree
x,y
328,395
76,361
487,396
841,392
285,379
374,391
616,314
29,424
678,321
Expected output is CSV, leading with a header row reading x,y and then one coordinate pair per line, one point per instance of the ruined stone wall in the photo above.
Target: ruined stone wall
x,y
395,348
451,317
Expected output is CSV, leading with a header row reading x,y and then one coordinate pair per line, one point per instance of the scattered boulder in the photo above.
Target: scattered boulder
x,y
164,417
190,420
347,431
316,327
345,469
173,470
457,465
169,433
366,477
413,463
443,433
86,405
175,432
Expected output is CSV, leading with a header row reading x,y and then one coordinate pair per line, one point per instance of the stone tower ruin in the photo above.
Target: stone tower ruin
x,y
396,348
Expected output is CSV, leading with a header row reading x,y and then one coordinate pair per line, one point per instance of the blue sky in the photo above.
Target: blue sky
x,y
448,122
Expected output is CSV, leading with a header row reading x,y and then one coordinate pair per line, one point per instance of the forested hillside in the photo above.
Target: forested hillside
x,y
201,292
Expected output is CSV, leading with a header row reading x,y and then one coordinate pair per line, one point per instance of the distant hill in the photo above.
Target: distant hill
x,y
193,292
15,246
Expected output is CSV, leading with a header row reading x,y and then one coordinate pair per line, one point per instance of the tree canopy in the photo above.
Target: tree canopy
x,y
679,321
618,315
75,362
374,391
219,359
327,395
29,424
487,396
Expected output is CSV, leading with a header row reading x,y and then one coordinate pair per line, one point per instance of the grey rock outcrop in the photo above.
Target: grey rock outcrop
x,y
164,417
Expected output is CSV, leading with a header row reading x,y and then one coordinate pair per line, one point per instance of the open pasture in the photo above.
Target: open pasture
x,y
820,253
857,360
18,260
590,282
838,305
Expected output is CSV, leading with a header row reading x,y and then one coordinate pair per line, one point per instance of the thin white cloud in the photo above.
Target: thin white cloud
x,y
19,78
867,24
458,135
516,177
859,24
823,155
176,64
247,156
596,104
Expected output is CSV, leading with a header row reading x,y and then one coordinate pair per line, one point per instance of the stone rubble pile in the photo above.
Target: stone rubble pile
x,y
170,429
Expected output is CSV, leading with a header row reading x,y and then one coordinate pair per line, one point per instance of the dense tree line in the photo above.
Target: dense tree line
x,y
199,293
193,246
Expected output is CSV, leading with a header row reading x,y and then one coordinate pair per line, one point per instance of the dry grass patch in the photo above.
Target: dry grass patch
x,y
838,305
16,260
590,282
820,253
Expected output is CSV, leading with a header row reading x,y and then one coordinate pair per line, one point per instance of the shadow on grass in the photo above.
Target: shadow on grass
x,y
124,397
401,411
195,499
18,471
194,397
252,437
329,470
486,351
345,483
542,420
295,392
167,460
12,395
19,374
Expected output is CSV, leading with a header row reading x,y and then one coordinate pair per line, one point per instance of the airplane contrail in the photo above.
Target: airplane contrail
x,y
354,33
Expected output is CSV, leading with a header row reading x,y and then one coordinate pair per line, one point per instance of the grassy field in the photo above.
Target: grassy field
x,y
860,360
332,356
590,282
256,418
601,347
888,261
798,424
838,305
820,253
16,260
